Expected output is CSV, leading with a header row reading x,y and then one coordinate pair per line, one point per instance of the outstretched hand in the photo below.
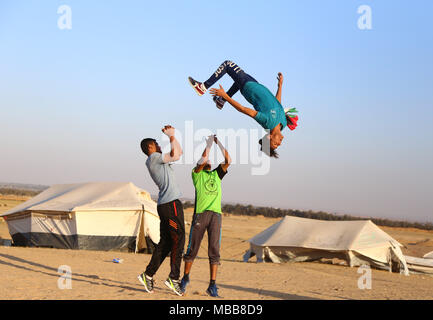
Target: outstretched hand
x,y
218,92
280,78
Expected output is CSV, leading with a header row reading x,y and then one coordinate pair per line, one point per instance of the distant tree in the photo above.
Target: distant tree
x,y
19,192
249,210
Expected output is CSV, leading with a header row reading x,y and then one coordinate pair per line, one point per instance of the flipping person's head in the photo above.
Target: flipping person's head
x,y
276,139
269,143
149,146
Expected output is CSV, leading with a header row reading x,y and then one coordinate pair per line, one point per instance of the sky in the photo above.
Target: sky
x,y
76,102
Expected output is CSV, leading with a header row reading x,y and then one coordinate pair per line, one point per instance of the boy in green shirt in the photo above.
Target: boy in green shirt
x,y
207,214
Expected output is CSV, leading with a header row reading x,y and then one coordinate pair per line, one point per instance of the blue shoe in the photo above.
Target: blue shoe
x,y
212,290
183,284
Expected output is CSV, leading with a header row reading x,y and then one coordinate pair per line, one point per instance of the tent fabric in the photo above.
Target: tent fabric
x,y
88,197
97,215
300,239
428,255
419,265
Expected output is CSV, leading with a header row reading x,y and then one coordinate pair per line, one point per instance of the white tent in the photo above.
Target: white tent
x,y
355,242
94,216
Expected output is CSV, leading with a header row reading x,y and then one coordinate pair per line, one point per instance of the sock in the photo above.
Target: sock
x,y
186,276
150,278
212,282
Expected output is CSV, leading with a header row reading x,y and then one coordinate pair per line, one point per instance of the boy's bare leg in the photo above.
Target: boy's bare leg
x,y
188,266
213,271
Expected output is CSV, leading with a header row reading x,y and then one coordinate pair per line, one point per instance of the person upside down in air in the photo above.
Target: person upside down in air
x,y
268,111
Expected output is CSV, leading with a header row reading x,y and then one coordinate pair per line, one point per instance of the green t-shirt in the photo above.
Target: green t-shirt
x,y
207,186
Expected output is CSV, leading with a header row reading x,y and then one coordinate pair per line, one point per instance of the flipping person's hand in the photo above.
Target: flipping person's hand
x,y
280,78
218,92
168,130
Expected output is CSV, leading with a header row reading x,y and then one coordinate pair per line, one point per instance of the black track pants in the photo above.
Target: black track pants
x,y
172,239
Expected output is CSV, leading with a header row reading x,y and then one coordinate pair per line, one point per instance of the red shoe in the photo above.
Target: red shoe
x,y
197,86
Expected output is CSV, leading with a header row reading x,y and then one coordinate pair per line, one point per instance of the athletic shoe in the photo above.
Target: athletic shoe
x,y
183,284
174,285
197,86
146,282
219,102
212,290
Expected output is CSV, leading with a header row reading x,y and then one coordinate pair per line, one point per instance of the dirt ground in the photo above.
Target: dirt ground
x,y
33,273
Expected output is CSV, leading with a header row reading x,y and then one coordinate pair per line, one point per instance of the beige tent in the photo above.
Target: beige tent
x,y
94,216
428,255
419,265
355,242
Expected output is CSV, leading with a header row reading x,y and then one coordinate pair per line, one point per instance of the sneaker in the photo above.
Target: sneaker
x,y
212,290
183,284
174,285
146,282
219,102
197,86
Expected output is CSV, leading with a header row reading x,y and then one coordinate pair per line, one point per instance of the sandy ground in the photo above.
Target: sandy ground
x,y
32,273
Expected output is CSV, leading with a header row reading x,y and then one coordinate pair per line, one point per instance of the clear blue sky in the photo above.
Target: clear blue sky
x,y
74,104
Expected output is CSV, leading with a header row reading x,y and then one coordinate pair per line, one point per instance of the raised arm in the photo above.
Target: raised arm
x,y
220,92
205,156
280,84
227,159
176,149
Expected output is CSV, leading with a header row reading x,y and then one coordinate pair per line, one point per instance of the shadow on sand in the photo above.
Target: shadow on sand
x,y
268,293
101,281
96,280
